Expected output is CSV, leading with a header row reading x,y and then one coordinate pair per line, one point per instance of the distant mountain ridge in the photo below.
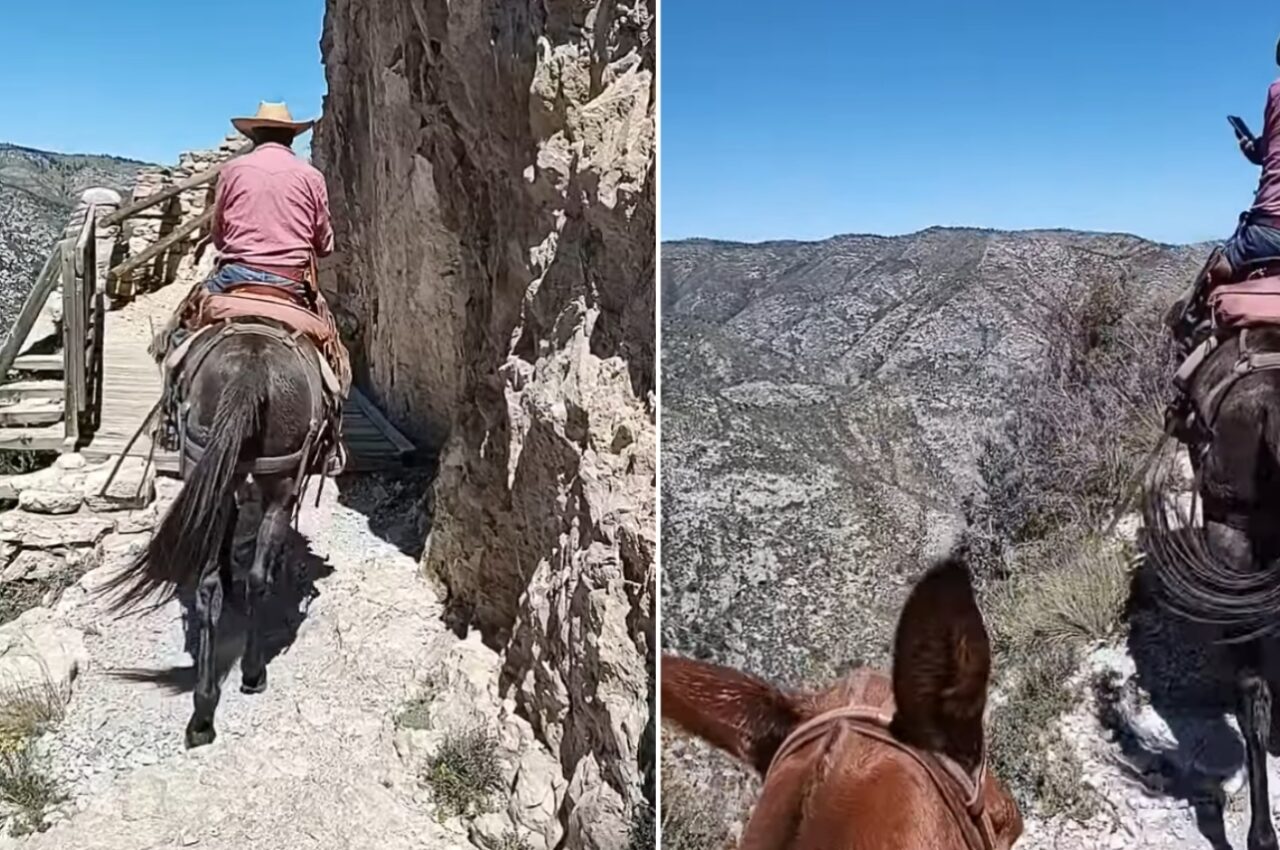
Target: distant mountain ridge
x,y
823,405
38,190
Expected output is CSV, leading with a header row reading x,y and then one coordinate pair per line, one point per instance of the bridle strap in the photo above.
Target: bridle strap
x,y
960,789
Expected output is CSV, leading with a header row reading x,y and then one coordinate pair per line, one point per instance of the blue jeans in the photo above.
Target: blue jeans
x,y
1250,244
234,273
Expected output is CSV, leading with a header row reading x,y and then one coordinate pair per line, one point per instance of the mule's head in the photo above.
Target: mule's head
x,y
848,783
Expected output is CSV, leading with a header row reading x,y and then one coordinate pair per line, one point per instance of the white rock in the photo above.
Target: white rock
x,y
132,487
36,531
37,652
33,564
137,521
49,501
73,460
101,196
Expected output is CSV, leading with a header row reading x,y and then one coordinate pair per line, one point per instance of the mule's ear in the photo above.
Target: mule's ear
x,y
742,715
942,665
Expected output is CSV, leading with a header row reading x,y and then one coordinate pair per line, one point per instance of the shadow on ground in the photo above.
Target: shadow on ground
x,y
281,616
395,507
395,504
1174,717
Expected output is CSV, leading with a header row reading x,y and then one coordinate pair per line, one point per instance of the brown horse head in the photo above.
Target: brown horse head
x,y
876,761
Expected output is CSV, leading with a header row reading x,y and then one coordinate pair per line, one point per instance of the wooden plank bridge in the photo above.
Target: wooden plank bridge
x,y
74,376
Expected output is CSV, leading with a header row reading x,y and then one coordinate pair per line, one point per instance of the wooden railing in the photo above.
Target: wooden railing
x,y
73,262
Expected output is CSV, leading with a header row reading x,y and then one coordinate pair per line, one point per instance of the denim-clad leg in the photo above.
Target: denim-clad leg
x,y
233,273
1252,243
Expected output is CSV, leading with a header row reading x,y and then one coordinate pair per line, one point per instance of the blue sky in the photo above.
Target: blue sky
x,y
130,78
807,120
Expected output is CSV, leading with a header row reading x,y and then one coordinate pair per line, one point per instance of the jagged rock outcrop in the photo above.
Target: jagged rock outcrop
x,y
491,174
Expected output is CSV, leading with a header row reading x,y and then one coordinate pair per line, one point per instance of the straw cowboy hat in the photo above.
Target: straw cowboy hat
x,y
271,115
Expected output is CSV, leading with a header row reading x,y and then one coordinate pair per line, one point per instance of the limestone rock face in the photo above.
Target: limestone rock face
x,y
491,176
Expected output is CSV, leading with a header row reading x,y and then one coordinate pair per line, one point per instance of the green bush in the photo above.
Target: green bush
x,y
465,774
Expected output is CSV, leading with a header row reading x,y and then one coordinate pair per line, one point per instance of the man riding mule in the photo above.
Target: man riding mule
x,y
255,378
271,222
1227,412
875,762
1254,248
271,210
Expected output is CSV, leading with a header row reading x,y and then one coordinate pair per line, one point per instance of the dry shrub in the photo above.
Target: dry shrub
x,y
1053,477
26,712
26,787
1081,427
13,462
1027,750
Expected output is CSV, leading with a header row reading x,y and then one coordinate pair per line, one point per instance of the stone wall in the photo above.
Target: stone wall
x,y
150,226
491,174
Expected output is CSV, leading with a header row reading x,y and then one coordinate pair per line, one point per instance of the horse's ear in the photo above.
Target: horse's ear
x,y
942,665
742,715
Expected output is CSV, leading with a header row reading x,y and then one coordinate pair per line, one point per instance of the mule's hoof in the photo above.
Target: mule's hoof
x,y
254,686
1263,838
198,736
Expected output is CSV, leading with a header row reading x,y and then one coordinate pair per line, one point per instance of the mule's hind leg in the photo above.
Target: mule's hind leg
x,y
278,498
1254,715
1253,696
215,582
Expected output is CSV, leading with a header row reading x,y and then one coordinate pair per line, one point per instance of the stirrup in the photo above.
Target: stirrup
x,y
336,462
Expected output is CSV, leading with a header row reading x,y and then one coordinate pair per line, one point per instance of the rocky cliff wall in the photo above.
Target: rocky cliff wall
x,y
491,173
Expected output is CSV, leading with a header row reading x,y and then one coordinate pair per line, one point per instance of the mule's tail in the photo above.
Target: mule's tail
x,y
1195,582
193,528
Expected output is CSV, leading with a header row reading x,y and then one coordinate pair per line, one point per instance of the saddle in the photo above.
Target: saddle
x,y
1230,309
203,318
321,451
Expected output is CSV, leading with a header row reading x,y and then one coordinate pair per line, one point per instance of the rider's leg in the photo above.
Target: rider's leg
x,y
1251,243
233,273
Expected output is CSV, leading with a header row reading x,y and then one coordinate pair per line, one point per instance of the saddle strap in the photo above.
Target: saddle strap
x,y
279,465
1247,363
960,789
1198,355
300,460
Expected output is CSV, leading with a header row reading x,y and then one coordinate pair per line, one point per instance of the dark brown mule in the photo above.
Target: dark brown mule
x,y
1226,574
876,762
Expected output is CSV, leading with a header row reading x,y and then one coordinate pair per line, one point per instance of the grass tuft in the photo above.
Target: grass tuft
x,y
1074,595
28,712
27,788
465,774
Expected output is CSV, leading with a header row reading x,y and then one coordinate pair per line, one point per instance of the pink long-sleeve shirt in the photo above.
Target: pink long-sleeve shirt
x,y
272,211
1267,200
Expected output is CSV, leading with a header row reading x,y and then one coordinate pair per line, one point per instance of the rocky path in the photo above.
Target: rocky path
x,y
315,762
1154,733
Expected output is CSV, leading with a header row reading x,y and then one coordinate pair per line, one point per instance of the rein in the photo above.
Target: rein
x,y
960,789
